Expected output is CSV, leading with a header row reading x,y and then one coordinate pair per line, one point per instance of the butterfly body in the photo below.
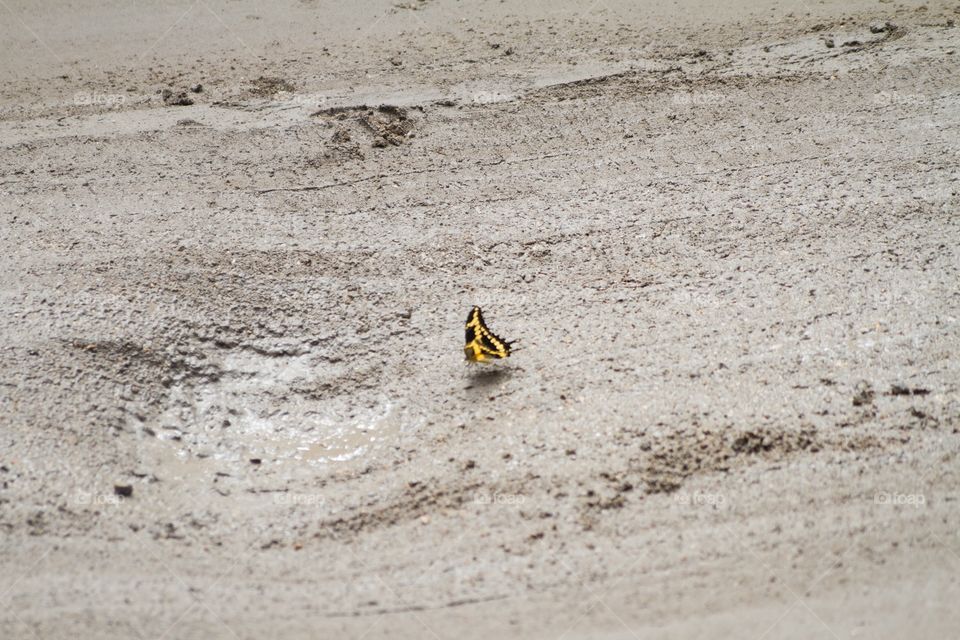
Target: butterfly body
x,y
480,343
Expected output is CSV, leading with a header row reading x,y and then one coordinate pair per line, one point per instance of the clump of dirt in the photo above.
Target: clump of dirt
x,y
614,499
176,98
863,394
340,136
677,457
267,87
342,147
389,124
417,501
667,462
764,441
410,6
902,390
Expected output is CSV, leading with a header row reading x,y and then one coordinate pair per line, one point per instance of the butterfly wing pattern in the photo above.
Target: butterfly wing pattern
x,y
481,344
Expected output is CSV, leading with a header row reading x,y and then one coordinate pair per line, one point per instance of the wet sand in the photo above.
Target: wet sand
x,y
240,244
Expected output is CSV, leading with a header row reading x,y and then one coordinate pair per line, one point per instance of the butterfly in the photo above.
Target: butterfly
x,y
481,344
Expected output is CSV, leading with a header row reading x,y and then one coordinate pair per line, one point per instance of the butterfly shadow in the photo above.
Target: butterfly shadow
x,y
485,378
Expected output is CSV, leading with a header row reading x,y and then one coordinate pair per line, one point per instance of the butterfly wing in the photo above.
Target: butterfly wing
x,y
480,342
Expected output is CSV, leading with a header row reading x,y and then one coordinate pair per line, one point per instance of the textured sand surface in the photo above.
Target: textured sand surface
x,y
233,402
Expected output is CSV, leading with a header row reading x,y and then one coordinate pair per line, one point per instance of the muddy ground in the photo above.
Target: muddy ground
x,y
240,242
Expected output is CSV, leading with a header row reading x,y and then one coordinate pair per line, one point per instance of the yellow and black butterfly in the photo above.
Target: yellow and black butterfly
x,y
480,343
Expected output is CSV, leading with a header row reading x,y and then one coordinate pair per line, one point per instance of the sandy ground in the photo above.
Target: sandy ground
x,y
233,397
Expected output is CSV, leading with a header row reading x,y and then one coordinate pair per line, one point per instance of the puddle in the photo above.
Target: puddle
x,y
327,441
280,408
